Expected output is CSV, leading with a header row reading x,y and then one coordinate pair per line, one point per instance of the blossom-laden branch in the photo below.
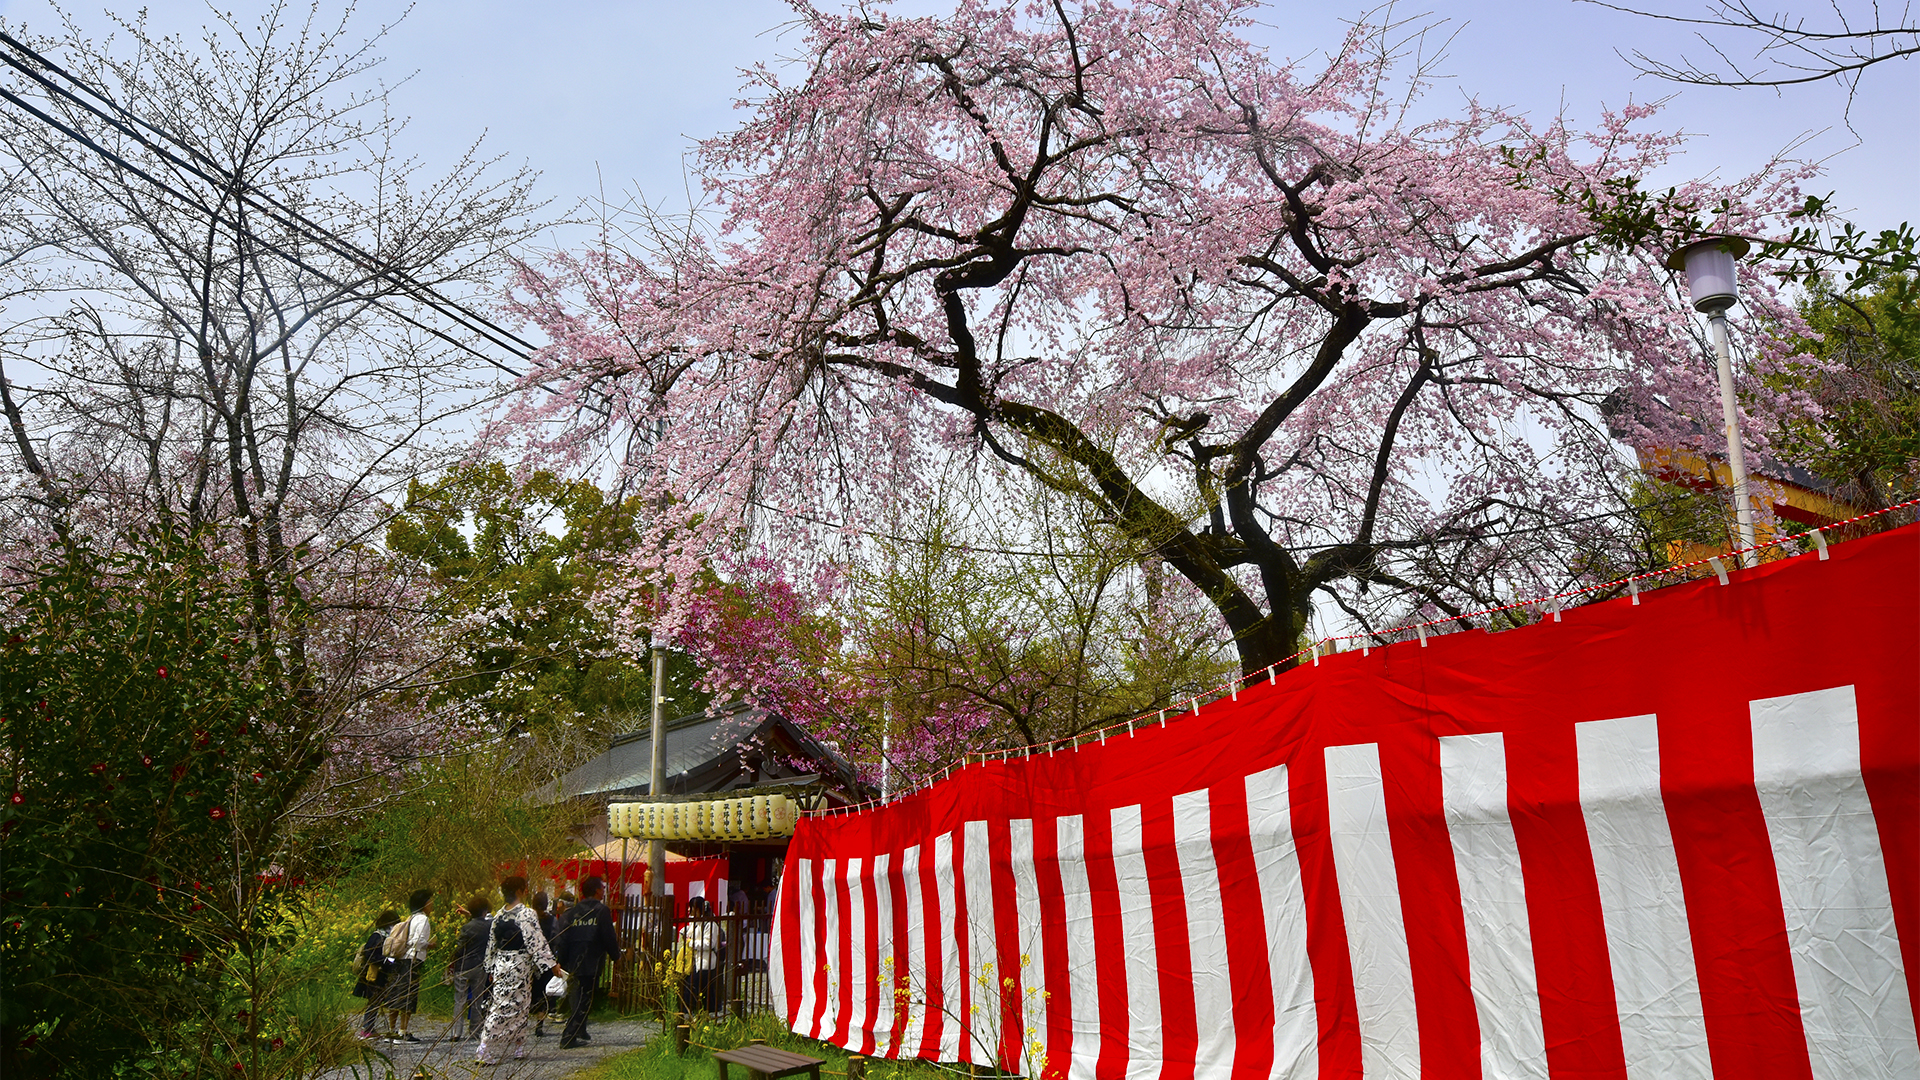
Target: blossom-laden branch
x,y
1271,327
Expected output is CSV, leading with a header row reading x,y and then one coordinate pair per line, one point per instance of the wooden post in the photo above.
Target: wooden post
x,y
681,1033
731,965
856,1068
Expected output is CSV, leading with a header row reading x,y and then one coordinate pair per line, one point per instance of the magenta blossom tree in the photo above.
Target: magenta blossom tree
x,y
1281,330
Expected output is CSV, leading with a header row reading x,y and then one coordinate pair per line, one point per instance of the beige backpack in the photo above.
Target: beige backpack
x,y
398,941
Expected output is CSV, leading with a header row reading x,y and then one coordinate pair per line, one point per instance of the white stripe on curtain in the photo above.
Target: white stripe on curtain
x,y
983,980
1370,902
1032,975
1083,973
913,993
1655,987
1283,900
1493,899
1206,935
885,964
1854,1005
950,960
1142,964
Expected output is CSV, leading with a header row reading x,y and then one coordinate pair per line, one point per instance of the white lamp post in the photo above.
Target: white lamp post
x,y
1710,280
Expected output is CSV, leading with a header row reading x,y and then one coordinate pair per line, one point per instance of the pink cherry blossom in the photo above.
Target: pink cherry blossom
x,y
1282,329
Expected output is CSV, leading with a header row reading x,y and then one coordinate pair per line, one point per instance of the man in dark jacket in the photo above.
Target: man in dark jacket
x,y
468,971
585,938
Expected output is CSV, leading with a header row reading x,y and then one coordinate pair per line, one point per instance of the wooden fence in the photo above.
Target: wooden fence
x,y
648,932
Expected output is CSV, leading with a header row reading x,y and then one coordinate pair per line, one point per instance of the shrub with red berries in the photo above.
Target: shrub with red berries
x,y
140,766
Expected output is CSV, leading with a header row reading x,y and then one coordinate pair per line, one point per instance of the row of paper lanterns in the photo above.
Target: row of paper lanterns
x,y
749,817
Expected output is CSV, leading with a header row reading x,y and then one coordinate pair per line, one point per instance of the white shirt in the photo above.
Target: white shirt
x,y
702,939
419,936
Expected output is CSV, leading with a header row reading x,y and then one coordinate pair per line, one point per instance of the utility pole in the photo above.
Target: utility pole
x,y
886,754
657,774
657,754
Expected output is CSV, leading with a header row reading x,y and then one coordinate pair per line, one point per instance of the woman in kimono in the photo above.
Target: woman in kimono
x,y
516,949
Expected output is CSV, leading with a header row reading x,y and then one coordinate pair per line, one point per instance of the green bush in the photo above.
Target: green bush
x,y
153,740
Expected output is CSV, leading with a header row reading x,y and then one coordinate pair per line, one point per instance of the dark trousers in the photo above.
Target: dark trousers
x,y
701,992
579,999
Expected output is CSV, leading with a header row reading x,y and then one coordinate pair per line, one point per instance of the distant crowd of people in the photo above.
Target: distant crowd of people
x,y
503,965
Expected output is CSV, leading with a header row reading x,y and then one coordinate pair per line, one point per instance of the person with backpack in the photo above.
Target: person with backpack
x,y
407,946
370,973
516,950
468,972
586,938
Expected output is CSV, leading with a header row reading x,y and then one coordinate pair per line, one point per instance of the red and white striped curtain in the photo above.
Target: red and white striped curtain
x,y
1672,838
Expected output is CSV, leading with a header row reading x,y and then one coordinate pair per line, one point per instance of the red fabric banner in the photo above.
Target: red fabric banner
x,y
688,878
1677,837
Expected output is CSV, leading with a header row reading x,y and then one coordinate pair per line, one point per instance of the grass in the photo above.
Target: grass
x,y
657,1061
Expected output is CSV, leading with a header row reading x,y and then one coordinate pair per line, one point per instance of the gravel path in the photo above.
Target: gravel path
x,y
446,1060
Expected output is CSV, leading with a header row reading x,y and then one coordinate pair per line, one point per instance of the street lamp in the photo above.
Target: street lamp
x,y
1710,280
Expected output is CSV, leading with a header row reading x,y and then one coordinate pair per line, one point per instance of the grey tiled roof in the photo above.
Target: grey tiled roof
x,y
695,744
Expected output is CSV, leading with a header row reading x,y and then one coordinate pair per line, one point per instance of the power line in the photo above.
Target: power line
x,y
246,195
127,121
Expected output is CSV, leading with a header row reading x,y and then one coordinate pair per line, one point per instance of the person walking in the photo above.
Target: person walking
x,y
468,971
403,990
586,938
704,942
371,971
516,950
542,1005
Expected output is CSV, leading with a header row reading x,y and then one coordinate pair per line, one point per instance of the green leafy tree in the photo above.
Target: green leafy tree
x,y
1867,436
1034,620
152,750
520,562
459,821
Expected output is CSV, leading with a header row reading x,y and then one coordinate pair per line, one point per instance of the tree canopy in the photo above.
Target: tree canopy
x,y
1264,318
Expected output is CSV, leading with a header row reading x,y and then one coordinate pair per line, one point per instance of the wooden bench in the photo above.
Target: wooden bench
x,y
767,1063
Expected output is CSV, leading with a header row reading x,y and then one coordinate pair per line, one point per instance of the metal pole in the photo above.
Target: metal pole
x,y
1736,456
886,754
657,769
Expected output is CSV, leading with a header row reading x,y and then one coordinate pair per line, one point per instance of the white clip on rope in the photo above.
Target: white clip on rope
x,y
1633,589
1315,646
1196,706
1555,601
1422,627
1820,541
1719,568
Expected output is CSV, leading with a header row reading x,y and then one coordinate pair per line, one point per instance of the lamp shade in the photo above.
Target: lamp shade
x,y
1709,267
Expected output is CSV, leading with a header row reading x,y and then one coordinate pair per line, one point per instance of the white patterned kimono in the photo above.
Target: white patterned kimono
x,y
512,983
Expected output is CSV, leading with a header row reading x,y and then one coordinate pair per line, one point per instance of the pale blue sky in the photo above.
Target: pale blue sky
x,y
613,93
